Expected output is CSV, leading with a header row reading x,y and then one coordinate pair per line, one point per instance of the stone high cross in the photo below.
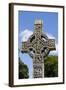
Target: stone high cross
x,y
38,47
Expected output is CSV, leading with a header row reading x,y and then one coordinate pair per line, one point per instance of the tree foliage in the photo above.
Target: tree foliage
x,y
51,66
23,70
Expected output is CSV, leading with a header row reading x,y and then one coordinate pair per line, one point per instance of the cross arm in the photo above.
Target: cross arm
x,y
24,47
51,44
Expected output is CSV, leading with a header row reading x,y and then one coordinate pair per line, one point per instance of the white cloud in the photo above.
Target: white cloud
x,y
50,36
24,35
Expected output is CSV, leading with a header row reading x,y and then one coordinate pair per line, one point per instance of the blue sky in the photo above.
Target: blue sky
x,y
26,28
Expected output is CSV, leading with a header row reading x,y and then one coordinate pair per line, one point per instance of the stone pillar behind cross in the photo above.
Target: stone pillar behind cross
x,y
38,47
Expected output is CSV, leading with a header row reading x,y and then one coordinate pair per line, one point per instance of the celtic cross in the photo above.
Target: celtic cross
x,y
38,47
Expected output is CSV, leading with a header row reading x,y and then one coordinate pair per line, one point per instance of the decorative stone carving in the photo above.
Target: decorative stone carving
x,y
38,47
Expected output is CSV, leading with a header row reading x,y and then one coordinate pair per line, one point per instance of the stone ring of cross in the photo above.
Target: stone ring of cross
x,y
38,48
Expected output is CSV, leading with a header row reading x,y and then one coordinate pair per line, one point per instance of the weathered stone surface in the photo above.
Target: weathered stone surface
x,y
38,47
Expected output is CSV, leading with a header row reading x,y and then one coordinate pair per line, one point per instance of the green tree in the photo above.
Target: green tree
x,y
23,70
51,66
